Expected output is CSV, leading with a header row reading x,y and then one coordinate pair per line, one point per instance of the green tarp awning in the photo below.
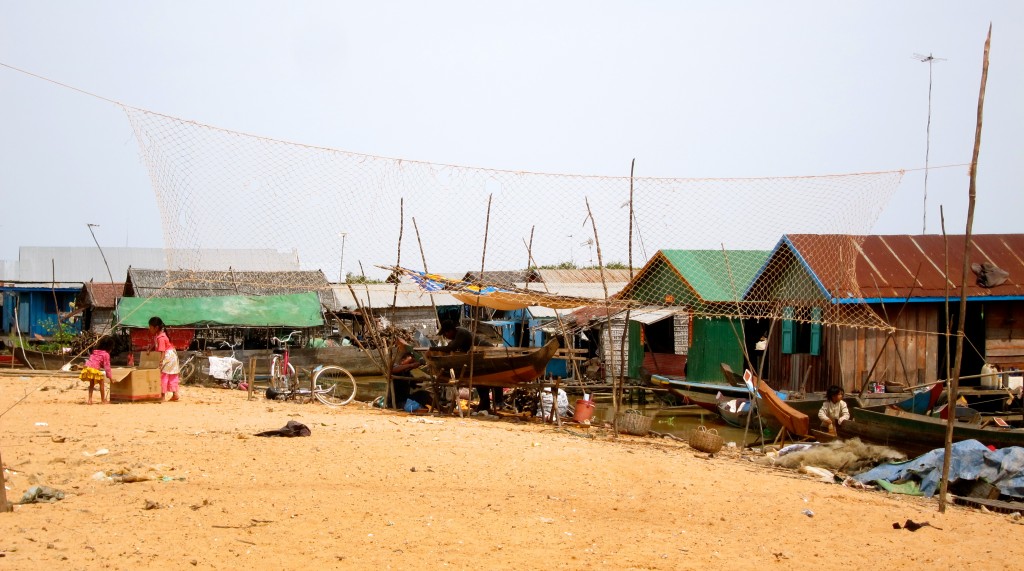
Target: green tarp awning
x,y
295,310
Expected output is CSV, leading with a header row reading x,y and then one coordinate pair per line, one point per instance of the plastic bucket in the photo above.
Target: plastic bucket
x,y
584,410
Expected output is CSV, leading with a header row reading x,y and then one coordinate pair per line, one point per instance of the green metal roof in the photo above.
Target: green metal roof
x,y
708,271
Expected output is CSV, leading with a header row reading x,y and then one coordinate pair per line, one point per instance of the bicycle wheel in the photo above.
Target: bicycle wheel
x,y
187,373
334,386
281,382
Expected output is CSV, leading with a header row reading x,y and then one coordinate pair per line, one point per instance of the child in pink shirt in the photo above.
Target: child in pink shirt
x,y
98,365
169,365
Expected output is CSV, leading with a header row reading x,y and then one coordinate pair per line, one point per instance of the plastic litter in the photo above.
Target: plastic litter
x,y
41,494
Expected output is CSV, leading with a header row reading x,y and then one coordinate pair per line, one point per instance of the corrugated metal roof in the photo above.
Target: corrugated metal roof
x,y
902,266
81,264
590,290
649,315
538,311
552,277
379,296
715,275
501,277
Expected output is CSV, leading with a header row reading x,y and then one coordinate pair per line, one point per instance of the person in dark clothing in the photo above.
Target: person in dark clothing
x,y
460,340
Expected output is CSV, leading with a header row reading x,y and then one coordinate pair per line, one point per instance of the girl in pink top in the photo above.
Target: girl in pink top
x,y
169,365
98,365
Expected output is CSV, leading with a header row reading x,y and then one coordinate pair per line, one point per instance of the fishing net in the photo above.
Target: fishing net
x,y
699,246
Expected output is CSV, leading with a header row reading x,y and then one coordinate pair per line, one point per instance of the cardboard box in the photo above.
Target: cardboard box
x,y
150,359
137,385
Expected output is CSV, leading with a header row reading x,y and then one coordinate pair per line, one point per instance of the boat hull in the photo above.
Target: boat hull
x,y
490,367
796,422
917,434
704,395
40,360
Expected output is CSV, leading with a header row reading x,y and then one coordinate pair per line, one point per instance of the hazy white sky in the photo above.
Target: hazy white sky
x,y
690,89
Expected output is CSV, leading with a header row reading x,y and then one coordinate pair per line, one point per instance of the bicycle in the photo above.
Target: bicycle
x,y
188,369
228,375
331,385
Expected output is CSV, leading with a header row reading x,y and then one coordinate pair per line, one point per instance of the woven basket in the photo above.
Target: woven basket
x,y
633,422
706,440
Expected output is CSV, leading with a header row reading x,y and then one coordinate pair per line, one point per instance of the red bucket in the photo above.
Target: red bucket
x,y
584,410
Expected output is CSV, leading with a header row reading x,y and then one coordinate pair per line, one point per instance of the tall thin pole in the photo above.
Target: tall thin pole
x,y
929,59
5,506
341,266
102,255
954,380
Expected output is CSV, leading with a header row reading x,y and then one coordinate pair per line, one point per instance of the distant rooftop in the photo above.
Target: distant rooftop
x,y
37,264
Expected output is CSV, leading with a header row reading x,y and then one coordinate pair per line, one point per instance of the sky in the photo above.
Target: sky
x,y
688,89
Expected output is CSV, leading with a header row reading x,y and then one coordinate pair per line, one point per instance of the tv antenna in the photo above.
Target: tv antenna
x,y
929,59
589,242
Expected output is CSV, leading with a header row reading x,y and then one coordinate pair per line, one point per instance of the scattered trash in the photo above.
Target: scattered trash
x,y
911,525
59,439
129,477
42,424
808,513
41,494
547,520
820,473
101,475
423,420
151,505
100,452
291,429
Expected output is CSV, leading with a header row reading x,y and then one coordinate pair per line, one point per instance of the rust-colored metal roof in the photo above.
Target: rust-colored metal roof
x,y
903,266
103,295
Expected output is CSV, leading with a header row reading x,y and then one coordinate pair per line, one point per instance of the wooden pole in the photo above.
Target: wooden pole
x,y
5,506
389,362
616,382
423,257
971,198
476,309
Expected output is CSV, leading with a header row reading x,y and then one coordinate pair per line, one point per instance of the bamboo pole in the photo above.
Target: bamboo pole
x,y
423,257
389,363
971,199
616,383
476,308
5,506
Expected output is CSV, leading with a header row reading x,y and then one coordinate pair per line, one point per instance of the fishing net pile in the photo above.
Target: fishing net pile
x,y
349,213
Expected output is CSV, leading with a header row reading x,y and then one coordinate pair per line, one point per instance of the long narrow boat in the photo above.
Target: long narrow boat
x,y
923,401
41,360
916,434
501,367
794,421
704,395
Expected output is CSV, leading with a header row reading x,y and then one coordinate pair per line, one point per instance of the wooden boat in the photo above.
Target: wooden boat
x,y
917,434
45,361
704,395
923,401
735,412
493,367
795,422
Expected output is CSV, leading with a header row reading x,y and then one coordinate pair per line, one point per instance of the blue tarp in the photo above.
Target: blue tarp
x,y
970,460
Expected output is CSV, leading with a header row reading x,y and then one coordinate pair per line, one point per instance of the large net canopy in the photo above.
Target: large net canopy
x,y
695,244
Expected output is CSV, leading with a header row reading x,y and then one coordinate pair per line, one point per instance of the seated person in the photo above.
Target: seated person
x,y
833,412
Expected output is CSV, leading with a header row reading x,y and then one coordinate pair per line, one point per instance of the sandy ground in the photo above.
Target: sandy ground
x,y
372,489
